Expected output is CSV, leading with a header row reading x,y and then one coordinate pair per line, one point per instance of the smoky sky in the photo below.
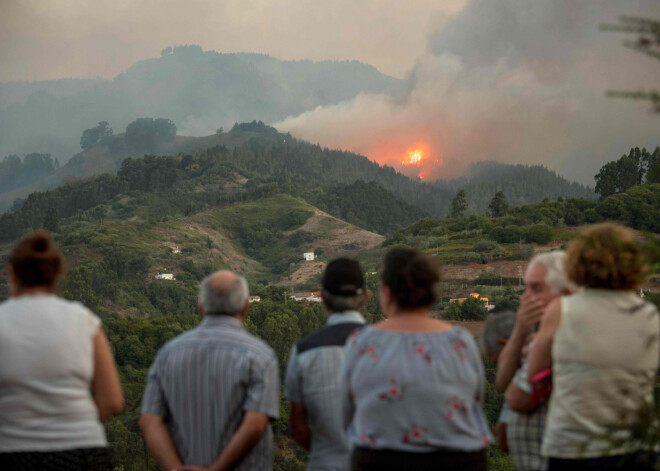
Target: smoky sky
x,y
516,81
41,40
508,80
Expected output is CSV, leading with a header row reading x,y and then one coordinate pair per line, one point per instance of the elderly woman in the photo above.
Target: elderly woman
x,y
58,379
603,345
413,386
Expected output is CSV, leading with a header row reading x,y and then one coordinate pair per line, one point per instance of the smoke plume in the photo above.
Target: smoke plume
x,y
506,80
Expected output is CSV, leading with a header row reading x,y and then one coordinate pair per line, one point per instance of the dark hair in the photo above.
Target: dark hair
x,y
36,261
411,277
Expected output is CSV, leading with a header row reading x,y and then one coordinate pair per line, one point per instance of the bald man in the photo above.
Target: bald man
x,y
212,392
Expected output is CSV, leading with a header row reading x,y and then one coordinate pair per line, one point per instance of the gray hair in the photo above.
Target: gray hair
x,y
337,303
223,298
555,275
498,326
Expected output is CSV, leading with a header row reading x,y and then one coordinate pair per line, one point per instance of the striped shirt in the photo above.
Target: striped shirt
x,y
525,430
204,380
313,379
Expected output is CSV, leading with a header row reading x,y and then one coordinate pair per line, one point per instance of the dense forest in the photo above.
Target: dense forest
x,y
520,184
16,172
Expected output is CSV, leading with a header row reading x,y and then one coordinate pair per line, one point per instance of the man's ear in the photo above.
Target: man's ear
x,y
245,310
200,309
324,302
502,341
367,297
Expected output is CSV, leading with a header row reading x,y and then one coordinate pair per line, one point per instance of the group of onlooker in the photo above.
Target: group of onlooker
x,y
581,354
573,385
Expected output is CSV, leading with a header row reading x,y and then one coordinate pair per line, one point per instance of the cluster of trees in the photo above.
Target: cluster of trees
x,y
469,310
254,126
101,133
366,204
618,176
497,207
16,172
144,134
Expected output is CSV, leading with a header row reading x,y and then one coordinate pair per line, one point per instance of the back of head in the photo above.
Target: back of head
x,y
606,256
223,293
36,261
343,285
411,277
498,326
555,276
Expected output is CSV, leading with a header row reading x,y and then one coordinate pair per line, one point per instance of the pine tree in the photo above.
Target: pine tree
x,y
459,204
498,205
51,220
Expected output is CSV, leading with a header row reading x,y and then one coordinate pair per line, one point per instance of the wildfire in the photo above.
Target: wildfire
x,y
414,158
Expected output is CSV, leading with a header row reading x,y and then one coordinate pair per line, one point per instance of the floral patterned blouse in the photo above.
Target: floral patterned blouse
x,y
414,391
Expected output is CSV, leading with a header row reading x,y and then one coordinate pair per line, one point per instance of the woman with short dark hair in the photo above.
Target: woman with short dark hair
x,y
602,344
414,386
58,379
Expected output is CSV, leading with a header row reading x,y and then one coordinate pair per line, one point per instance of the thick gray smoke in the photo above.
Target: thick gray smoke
x,y
508,80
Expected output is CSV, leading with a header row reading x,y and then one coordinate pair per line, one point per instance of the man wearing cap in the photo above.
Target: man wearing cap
x,y
312,382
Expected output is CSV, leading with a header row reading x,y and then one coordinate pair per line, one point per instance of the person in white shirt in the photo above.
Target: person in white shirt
x,y
602,344
58,379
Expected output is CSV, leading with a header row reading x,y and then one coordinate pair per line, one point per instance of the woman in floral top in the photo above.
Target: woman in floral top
x,y
414,386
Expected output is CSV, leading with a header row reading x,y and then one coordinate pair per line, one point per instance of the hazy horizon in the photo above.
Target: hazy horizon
x,y
501,80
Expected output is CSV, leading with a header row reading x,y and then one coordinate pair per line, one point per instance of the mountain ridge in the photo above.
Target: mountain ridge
x,y
199,90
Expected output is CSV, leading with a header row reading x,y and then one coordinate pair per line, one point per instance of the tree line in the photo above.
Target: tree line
x,y
16,172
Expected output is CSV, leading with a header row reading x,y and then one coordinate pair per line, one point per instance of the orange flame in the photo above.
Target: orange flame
x,y
414,157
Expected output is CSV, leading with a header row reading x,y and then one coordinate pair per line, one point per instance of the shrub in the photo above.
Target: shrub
x,y
506,235
539,234
485,246
472,257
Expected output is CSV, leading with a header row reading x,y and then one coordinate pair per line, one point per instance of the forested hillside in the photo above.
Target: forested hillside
x,y
521,184
172,187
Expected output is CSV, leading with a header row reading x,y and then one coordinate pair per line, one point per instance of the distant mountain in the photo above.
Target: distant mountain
x,y
200,91
521,184
264,153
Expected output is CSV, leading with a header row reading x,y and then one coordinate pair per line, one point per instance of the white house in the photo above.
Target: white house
x,y
165,276
254,299
308,256
175,249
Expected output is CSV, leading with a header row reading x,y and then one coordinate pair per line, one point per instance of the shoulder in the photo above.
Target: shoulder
x,y
258,348
73,310
360,336
552,314
330,336
458,333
